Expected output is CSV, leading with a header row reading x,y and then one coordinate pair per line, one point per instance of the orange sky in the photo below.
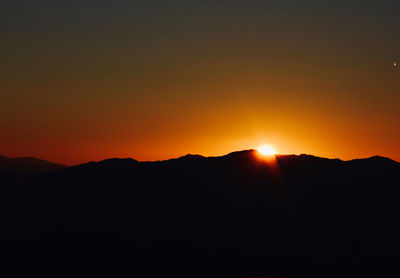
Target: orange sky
x,y
155,81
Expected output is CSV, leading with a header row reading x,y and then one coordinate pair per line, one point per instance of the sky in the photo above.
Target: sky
x,y
152,80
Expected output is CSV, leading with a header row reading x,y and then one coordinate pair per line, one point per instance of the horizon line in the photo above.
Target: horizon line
x,y
194,154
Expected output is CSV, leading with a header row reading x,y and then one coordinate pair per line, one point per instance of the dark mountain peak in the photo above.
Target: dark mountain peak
x,y
118,160
376,160
110,162
381,158
314,157
188,158
99,169
27,165
191,156
244,154
306,161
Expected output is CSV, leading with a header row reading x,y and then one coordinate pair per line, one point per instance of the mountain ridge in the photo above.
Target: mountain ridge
x,y
35,161
237,215
245,153
26,165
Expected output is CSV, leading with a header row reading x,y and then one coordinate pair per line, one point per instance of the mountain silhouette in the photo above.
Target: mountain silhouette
x,y
26,165
236,215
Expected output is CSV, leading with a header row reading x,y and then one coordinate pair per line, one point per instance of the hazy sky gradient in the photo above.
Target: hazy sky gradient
x,y
151,80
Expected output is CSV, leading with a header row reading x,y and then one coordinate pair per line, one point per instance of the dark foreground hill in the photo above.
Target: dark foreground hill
x,y
236,215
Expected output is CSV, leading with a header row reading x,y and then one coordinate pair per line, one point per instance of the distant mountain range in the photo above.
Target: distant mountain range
x,y
235,215
26,165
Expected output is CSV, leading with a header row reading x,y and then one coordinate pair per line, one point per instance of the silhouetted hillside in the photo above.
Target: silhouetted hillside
x,y
26,165
235,215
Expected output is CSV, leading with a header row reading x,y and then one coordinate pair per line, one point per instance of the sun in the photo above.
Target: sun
x,y
266,150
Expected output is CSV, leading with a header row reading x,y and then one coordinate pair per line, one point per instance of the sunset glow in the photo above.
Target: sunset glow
x,y
206,138
266,150
154,81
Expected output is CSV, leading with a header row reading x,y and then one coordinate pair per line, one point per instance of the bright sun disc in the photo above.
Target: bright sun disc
x,y
266,150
